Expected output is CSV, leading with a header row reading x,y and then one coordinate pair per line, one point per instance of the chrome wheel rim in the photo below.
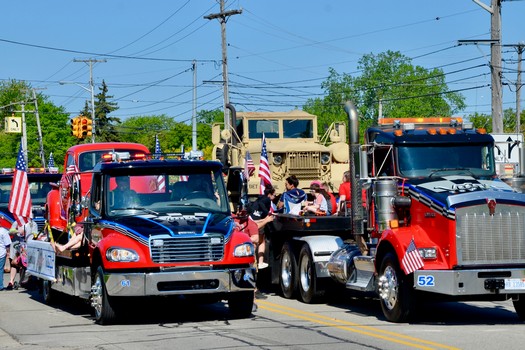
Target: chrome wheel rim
x,y
389,287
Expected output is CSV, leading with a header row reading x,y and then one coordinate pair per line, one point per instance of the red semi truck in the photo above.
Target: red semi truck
x,y
432,190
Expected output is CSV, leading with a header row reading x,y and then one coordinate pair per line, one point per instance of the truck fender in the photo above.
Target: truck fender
x,y
322,247
397,240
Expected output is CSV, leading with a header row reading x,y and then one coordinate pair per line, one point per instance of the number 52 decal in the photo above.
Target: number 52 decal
x,y
425,281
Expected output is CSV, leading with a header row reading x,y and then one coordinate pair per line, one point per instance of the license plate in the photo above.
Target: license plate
x,y
515,283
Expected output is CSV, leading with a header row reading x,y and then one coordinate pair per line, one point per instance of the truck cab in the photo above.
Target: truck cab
x,y
40,181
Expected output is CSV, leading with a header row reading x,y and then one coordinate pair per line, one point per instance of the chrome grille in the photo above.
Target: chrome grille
x,y
167,249
485,239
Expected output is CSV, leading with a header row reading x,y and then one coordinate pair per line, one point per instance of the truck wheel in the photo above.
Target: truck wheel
x,y
519,306
395,292
287,275
104,312
308,283
241,304
48,294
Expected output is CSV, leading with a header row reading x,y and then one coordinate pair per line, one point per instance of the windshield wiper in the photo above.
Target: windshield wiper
x,y
434,171
149,211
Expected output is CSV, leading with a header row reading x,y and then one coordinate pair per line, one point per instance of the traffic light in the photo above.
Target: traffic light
x,y
87,127
76,129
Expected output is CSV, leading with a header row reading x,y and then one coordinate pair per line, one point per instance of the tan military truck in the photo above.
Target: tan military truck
x,y
293,148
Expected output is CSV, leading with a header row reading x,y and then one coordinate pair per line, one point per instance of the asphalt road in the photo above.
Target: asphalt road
x,y
342,322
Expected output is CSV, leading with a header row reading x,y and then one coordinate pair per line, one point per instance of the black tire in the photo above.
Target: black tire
x,y
48,294
310,289
395,291
519,306
100,301
241,304
288,271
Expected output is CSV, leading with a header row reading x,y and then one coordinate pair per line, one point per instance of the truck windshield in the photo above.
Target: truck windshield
x,y
163,192
270,128
298,128
476,160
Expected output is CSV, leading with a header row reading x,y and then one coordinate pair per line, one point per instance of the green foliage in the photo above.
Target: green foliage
x,y
105,128
388,80
55,137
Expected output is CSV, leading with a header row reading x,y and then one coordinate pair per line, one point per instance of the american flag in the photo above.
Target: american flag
x,y
20,199
158,151
249,167
74,173
51,161
412,260
264,167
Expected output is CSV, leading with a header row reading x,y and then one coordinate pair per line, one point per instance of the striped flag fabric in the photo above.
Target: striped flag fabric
x,y
249,167
411,260
20,200
264,167
74,173
158,151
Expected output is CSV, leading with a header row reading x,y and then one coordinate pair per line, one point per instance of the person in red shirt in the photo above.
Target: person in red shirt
x,y
345,194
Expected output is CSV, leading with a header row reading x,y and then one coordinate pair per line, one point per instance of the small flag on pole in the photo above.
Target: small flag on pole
x,y
51,161
412,260
249,167
264,167
20,200
158,151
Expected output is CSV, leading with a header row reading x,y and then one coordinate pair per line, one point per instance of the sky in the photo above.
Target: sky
x,y
279,52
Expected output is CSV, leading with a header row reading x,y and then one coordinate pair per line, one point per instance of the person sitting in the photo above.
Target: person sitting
x,y
321,199
291,200
74,242
123,196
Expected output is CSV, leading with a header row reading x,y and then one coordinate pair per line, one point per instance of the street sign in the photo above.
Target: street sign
x,y
13,125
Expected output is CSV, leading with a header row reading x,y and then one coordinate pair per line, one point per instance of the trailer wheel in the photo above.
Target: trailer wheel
x,y
241,304
100,301
308,282
519,306
48,294
395,292
287,274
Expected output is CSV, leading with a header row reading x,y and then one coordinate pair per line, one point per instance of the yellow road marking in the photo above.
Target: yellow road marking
x,y
353,327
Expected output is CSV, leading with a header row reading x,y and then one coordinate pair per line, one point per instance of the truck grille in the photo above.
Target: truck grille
x,y
305,165
485,239
168,249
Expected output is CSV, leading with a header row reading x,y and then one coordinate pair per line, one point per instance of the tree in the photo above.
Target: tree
x,y
56,134
105,126
388,80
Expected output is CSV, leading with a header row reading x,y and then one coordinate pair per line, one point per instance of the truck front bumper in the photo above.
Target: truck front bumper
x,y
176,282
471,282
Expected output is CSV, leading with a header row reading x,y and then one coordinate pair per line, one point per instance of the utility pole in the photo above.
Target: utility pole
x,y
521,46
194,110
90,63
495,63
223,18
40,140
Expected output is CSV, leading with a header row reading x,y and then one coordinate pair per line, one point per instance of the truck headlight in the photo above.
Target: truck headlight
x,y
121,255
325,158
277,159
245,249
428,253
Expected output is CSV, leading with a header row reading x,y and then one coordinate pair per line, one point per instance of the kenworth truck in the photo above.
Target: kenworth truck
x,y
437,220
292,144
169,234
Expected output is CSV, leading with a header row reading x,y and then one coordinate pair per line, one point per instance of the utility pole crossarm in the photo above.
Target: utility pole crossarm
x,y
223,16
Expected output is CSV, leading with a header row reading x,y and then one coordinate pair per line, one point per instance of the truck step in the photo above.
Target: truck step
x,y
365,270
